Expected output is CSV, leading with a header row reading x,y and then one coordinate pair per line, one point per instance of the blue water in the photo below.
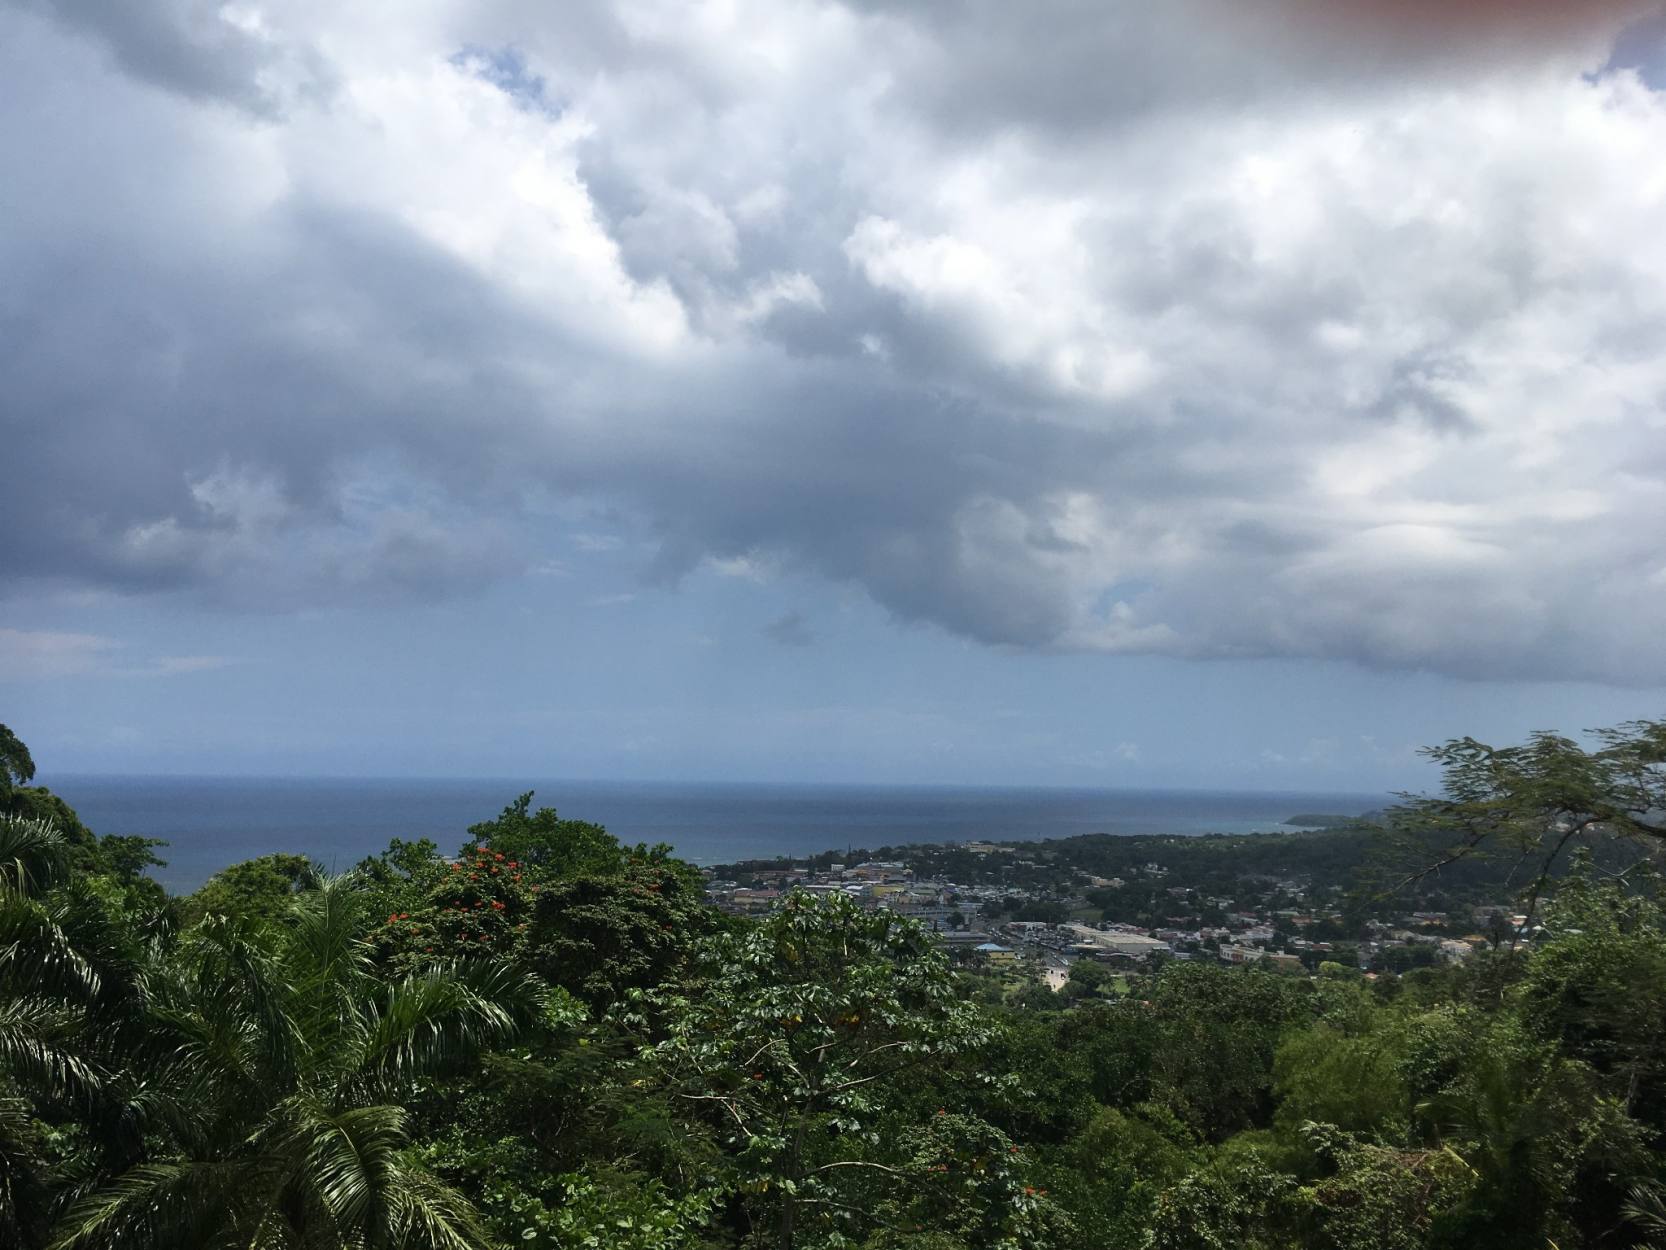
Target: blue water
x,y
210,822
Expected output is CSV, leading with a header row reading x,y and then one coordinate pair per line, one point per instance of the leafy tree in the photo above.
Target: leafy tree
x,y
255,889
1535,1130
1351,1080
1532,803
1089,979
1597,988
16,767
1230,1207
799,1042
541,839
1217,1030
593,931
600,937
1374,1197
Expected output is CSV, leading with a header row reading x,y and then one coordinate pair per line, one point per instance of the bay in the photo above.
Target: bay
x,y
210,822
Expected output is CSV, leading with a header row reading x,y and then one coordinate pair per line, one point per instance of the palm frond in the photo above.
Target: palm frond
x,y
351,1157
25,1194
33,856
425,1214
160,1205
323,944
241,990
440,1017
37,955
33,1033
1647,1209
327,959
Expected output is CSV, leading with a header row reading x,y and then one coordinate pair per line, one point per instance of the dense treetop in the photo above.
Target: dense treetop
x,y
549,1039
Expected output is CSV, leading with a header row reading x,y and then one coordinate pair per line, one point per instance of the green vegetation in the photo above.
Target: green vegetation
x,y
549,1039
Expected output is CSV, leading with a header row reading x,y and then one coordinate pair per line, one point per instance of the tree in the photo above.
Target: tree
x,y
282,1062
1089,979
798,1042
16,767
1532,803
541,839
259,889
1216,1032
73,978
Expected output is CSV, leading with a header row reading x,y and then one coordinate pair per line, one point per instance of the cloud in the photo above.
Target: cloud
x,y
790,630
1239,331
35,655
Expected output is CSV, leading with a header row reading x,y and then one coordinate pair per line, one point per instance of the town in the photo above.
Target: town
x,y
1032,907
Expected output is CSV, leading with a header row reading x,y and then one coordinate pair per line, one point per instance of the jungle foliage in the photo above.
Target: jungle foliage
x,y
548,1039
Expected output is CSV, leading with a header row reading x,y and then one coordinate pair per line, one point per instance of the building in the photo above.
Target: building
x,y
996,953
1103,942
1251,955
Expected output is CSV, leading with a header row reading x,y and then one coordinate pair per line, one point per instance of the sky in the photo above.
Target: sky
x,y
1087,392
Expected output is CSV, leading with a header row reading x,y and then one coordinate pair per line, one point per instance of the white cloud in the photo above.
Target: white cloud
x,y
27,655
37,655
1336,348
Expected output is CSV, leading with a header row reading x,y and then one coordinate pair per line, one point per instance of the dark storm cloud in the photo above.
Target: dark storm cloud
x,y
961,306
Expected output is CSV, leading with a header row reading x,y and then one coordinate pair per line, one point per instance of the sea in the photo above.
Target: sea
x,y
210,822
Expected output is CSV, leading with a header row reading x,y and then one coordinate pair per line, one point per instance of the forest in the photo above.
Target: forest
x,y
547,1038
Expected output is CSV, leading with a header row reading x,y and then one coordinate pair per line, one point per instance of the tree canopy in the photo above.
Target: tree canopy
x,y
549,1040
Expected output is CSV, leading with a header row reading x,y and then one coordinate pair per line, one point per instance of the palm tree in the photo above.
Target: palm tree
x,y
67,983
274,1065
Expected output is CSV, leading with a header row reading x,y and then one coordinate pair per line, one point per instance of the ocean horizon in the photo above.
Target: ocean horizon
x,y
210,822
